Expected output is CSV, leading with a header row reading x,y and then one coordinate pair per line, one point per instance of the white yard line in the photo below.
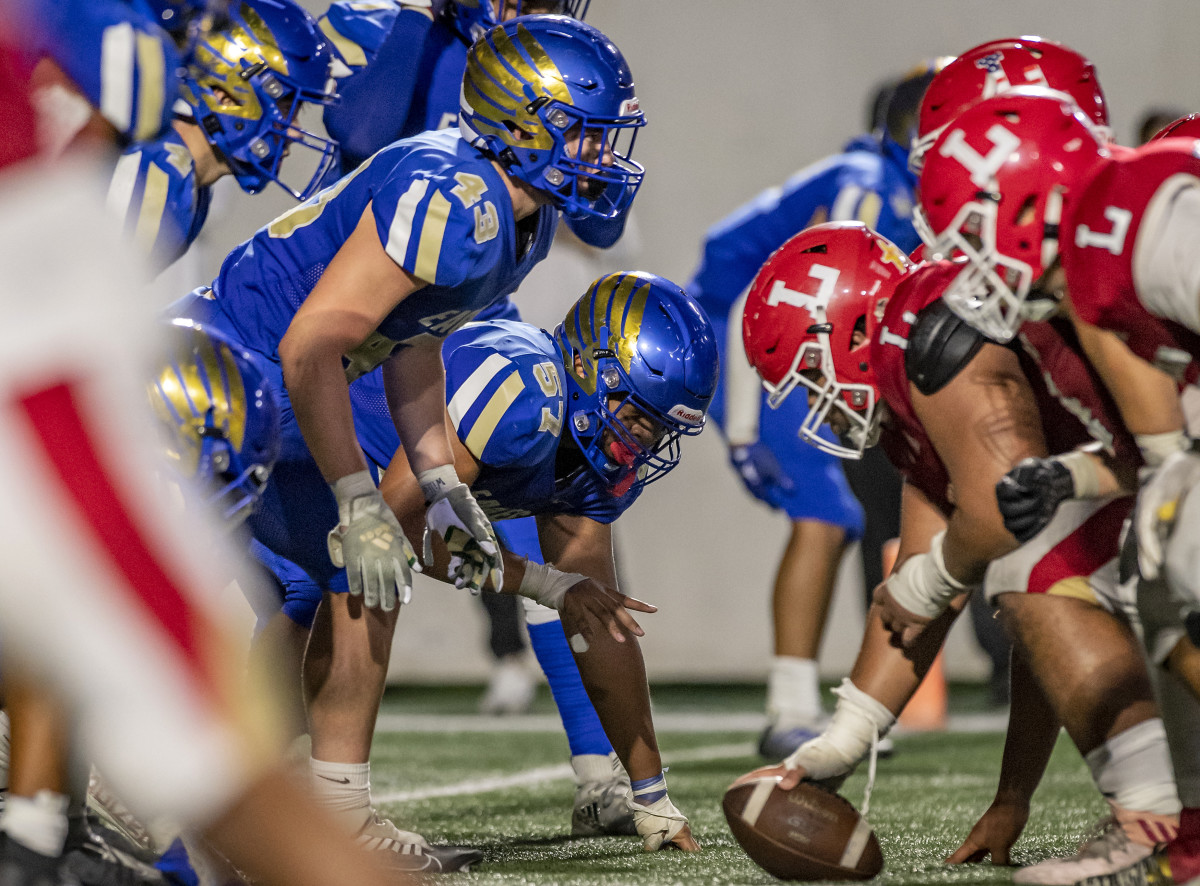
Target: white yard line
x,y
562,771
543,774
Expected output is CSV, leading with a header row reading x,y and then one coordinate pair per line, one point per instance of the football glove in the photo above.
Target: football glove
x,y
1030,493
1158,503
370,545
659,823
459,521
760,471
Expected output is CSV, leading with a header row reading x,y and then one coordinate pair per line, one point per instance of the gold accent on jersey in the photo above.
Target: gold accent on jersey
x,y
487,222
489,418
429,247
352,54
180,158
470,188
868,209
309,211
1076,586
152,75
150,215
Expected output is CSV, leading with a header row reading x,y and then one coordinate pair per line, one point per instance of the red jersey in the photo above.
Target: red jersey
x,y
1074,406
1100,235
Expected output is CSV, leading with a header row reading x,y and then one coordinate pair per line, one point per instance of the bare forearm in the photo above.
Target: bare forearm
x,y
1032,732
321,400
416,388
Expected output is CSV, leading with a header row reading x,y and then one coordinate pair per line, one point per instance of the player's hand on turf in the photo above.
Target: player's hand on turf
x,y
662,826
455,516
1030,493
369,543
1158,504
904,626
589,605
760,471
994,834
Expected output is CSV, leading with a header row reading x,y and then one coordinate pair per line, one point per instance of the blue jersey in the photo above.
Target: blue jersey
x,y
119,59
505,396
442,212
403,75
154,192
868,182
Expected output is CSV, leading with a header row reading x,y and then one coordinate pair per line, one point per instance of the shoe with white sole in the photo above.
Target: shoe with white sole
x,y
603,797
1106,852
409,852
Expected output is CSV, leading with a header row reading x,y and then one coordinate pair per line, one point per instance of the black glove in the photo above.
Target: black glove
x,y
1030,493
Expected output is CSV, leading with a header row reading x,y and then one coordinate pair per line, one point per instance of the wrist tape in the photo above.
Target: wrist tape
x,y
923,585
547,585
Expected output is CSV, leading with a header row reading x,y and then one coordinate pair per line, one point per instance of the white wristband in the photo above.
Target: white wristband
x,y
1155,448
547,585
436,482
923,585
1085,475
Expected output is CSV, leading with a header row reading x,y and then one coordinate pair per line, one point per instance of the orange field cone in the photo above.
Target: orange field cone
x,y
926,710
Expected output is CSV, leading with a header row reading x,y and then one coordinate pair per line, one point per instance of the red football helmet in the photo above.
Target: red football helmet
x,y
993,189
998,66
1184,127
802,312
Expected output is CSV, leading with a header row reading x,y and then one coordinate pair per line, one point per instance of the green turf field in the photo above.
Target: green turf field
x,y
504,785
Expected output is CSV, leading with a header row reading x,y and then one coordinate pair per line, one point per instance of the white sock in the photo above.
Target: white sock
x,y
1133,769
342,787
793,691
38,822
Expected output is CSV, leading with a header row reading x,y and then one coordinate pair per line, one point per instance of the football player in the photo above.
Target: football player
x,y
109,596
243,90
571,427
400,74
869,182
1098,234
377,270
838,314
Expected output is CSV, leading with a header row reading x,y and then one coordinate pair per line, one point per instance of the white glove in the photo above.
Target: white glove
x,y
659,823
1158,503
457,518
369,543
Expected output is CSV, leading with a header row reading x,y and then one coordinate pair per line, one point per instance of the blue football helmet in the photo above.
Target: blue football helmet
x,y
220,417
473,18
186,20
636,338
246,84
537,83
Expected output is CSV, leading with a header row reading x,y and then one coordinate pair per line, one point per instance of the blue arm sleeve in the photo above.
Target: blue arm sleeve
x,y
375,101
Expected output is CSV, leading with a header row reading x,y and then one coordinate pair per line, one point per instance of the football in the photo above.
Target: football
x,y
807,833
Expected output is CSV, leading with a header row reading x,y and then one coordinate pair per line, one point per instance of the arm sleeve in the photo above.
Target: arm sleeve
x,y
154,200
743,388
1166,263
376,97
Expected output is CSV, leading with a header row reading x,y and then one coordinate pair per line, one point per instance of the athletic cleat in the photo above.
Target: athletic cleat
x,y
777,743
409,852
603,798
1107,852
510,690
105,809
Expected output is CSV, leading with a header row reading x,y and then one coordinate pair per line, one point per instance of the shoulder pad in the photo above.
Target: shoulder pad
x,y
940,344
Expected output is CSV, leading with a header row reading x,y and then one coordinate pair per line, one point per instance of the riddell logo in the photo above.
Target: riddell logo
x,y
630,106
690,416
